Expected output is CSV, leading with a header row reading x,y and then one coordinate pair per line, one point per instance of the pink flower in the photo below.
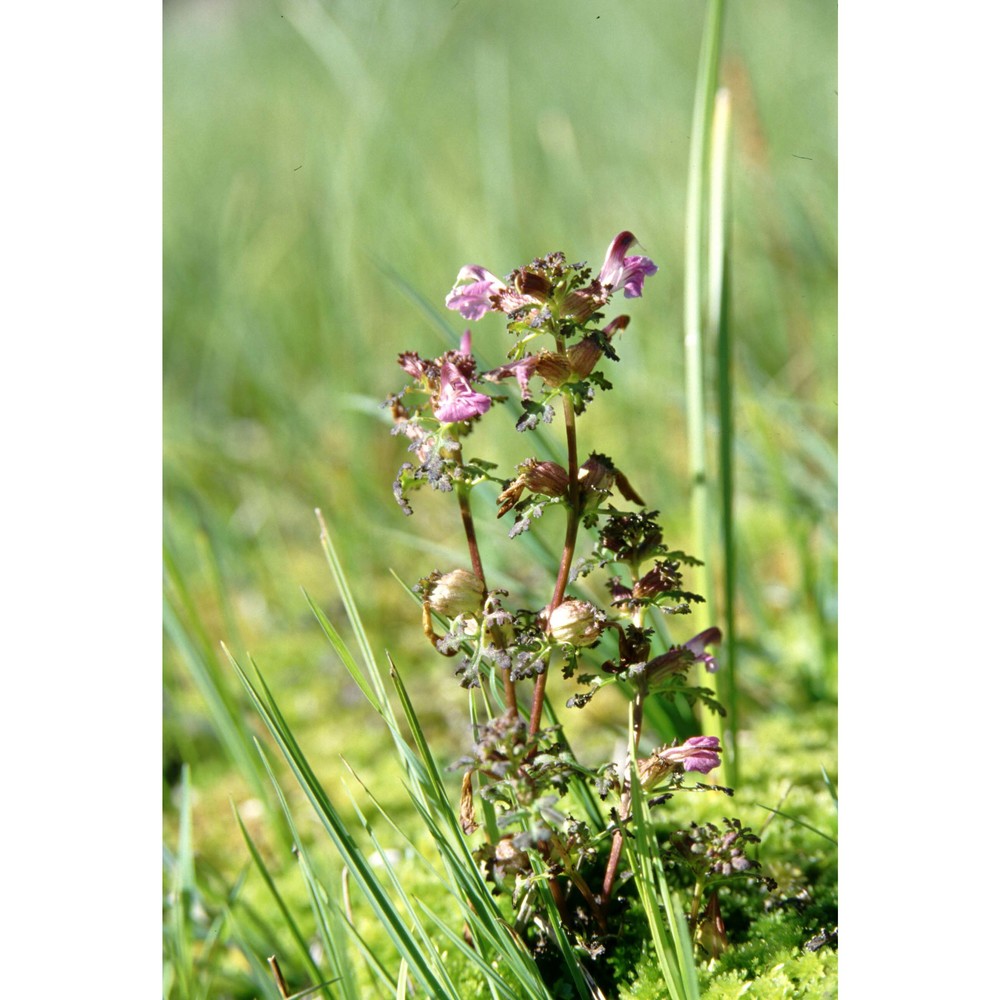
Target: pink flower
x,y
483,291
457,400
698,753
473,300
620,271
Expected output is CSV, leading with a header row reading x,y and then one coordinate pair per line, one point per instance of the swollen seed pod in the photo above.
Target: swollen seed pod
x,y
576,623
455,593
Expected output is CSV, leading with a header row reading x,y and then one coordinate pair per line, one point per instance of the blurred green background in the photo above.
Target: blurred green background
x,y
328,168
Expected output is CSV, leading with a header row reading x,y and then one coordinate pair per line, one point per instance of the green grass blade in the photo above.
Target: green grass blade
x,y
440,819
324,910
348,599
286,913
177,943
671,940
346,658
357,864
719,333
695,292
798,822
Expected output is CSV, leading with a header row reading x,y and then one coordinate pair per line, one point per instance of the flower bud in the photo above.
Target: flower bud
x,y
576,623
455,593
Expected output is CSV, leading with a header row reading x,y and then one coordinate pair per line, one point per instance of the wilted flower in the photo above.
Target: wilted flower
x,y
552,369
532,284
521,370
548,478
598,474
457,400
620,271
576,623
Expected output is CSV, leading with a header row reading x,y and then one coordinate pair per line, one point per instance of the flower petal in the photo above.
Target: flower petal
x,y
457,399
473,300
620,271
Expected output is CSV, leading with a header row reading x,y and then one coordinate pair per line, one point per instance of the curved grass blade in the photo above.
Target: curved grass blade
x,y
286,913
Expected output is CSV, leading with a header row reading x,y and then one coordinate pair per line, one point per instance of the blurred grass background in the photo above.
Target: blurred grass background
x,y
328,168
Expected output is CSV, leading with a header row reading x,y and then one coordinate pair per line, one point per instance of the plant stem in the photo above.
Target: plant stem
x,y
569,545
577,879
510,695
616,844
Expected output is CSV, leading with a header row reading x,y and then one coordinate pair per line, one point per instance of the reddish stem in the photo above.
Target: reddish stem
x,y
566,562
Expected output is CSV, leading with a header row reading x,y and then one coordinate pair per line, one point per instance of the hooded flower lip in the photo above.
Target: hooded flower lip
x,y
699,642
457,399
679,658
620,271
699,753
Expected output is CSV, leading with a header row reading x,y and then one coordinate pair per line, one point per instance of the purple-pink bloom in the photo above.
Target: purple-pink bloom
x,y
698,753
620,271
457,400
465,345
473,300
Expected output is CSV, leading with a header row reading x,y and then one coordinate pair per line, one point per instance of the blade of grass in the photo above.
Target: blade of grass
x,y
557,932
451,887
359,867
324,909
798,822
444,826
181,887
718,333
695,289
286,913
672,946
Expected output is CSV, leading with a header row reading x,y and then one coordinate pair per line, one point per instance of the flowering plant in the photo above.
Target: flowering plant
x,y
552,828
